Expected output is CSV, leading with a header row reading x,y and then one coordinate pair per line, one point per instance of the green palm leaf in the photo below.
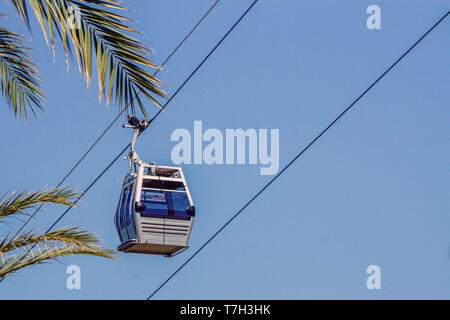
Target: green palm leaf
x,y
19,77
18,203
37,249
95,32
29,248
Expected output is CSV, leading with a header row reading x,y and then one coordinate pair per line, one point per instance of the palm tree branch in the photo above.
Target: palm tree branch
x,y
19,77
47,252
103,35
18,203
21,7
73,236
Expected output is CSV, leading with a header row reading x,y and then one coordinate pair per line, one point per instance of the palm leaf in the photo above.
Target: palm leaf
x,y
17,203
99,34
37,249
19,77
29,248
72,236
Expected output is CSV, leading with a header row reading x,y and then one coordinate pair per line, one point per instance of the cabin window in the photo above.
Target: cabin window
x,y
118,210
128,210
173,185
124,207
155,202
132,209
165,203
163,184
180,202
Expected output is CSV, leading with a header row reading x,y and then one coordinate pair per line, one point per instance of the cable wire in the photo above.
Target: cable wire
x,y
296,157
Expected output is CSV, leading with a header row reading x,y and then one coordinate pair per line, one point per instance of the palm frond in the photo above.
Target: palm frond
x,y
22,9
17,203
19,77
100,37
74,236
29,248
45,248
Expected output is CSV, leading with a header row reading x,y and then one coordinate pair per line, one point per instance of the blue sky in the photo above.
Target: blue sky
x,y
373,190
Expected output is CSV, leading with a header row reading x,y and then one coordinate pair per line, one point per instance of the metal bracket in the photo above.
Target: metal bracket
x,y
139,126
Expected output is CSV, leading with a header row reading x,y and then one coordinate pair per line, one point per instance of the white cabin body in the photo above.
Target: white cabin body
x,y
155,212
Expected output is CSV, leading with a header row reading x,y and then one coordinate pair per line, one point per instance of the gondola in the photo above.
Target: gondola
x,y
155,212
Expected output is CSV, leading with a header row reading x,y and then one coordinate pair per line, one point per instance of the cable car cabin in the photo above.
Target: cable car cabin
x,y
155,212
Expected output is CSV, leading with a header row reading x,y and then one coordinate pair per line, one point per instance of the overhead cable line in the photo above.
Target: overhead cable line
x,y
157,114
103,134
296,157
118,116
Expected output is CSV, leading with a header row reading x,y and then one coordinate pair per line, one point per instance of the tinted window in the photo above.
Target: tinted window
x,y
180,202
162,184
165,203
123,207
173,185
118,210
151,183
128,212
155,202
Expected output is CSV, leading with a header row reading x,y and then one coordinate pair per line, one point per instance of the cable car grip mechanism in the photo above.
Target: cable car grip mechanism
x,y
139,126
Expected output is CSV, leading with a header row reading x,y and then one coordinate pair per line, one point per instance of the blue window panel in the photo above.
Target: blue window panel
x,y
133,221
165,203
117,215
180,202
129,212
123,208
155,202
